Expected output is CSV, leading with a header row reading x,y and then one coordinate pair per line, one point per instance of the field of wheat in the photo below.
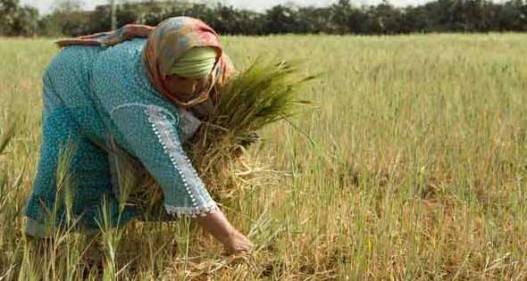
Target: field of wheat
x,y
410,164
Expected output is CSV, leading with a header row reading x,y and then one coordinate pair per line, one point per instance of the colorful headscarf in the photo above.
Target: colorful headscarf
x,y
166,43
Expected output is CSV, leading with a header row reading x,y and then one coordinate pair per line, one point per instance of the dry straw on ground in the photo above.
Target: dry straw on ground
x,y
418,173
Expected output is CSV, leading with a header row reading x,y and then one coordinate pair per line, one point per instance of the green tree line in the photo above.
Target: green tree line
x,y
340,18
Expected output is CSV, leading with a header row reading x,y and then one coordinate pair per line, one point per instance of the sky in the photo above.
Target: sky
x,y
45,6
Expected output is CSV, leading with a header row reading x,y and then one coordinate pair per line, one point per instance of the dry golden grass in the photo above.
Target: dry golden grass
x,y
413,166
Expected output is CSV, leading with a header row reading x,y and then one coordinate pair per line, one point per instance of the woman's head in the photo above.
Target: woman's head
x,y
191,73
183,57
166,55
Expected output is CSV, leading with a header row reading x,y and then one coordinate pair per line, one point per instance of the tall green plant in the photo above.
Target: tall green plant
x,y
264,93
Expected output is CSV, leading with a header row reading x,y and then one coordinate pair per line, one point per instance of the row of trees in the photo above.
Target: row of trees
x,y
339,18
17,20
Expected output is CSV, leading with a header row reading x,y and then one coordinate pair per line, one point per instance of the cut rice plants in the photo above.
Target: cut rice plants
x,y
264,93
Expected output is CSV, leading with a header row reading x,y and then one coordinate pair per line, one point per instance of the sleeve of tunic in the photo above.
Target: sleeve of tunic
x,y
150,133
148,127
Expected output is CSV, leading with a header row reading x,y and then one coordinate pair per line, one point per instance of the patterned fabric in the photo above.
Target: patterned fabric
x,y
94,96
167,42
110,38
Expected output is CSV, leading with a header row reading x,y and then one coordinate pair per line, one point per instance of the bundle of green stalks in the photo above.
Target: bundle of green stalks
x,y
264,93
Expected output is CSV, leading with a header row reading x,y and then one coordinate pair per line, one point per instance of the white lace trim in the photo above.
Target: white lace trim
x,y
189,124
191,211
166,135
145,106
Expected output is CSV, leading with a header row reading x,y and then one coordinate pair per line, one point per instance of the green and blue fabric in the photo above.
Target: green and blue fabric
x,y
94,96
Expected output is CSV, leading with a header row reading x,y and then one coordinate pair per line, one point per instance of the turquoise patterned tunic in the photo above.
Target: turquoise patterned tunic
x,y
94,96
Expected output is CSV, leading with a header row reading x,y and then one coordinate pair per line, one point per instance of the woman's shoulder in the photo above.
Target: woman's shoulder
x,y
126,48
73,60
117,68
119,79
118,56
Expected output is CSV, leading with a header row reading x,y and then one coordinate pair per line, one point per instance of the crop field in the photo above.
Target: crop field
x,y
410,164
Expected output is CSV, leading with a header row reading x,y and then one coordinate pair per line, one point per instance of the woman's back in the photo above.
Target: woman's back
x,y
75,131
87,81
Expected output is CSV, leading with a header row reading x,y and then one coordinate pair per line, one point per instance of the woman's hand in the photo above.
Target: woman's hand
x,y
238,244
217,224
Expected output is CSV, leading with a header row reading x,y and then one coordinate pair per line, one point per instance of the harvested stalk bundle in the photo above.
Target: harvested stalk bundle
x,y
265,92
